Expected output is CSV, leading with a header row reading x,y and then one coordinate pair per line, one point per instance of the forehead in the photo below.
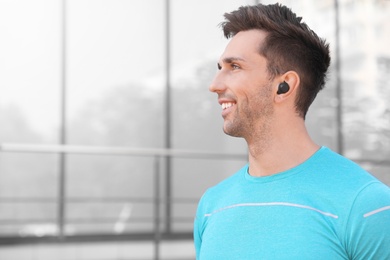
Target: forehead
x,y
245,44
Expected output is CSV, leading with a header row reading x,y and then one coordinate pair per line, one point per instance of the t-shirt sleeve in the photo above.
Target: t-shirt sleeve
x,y
197,236
198,227
368,227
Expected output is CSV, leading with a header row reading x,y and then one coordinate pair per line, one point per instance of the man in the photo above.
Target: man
x,y
294,199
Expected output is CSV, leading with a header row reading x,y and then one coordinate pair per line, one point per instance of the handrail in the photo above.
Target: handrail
x,y
149,152
109,150
156,154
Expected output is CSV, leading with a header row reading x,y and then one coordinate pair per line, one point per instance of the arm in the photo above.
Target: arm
x,y
197,236
199,226
368,228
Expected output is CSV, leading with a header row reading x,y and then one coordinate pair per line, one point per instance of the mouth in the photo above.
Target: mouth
x,y
226,105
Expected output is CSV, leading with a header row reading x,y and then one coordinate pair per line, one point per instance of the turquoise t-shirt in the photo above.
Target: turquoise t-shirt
x,y
326,208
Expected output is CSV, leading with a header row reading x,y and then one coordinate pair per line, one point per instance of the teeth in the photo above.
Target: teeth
x,y
227,105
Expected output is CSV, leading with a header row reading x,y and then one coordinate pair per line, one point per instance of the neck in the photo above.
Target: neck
x,y
282,148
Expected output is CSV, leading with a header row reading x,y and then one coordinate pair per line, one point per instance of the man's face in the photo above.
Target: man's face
x,y
244,87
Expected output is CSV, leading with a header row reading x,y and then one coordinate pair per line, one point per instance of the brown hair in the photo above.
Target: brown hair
x,y
289,45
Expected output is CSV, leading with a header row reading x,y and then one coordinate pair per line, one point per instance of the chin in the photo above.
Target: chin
x,y
232,131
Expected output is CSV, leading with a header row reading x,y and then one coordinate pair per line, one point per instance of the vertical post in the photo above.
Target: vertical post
x,y
339,96
156,217
62,155
168,123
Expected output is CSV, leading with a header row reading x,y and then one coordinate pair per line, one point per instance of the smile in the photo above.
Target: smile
x,y
227,105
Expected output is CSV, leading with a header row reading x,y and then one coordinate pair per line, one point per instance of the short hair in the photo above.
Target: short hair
x,y
289,45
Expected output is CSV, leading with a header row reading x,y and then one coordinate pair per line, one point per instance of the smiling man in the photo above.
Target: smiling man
x,y
294,199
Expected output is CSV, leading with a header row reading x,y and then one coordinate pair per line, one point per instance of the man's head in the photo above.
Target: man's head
x,y
290,45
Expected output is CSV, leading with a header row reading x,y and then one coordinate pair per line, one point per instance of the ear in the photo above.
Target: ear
x,y
293,81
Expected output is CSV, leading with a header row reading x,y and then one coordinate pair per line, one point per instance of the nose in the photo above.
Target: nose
x,y
217,85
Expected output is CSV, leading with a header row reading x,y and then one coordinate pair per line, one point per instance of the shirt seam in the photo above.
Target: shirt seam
x,y
262,204
348,217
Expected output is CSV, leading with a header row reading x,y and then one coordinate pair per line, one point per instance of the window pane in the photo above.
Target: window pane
x,y
115,65
115,70
28,194
29,112
365,67
30,71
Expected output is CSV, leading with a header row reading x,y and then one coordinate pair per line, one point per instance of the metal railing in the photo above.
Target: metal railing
x,y
157,155
158,203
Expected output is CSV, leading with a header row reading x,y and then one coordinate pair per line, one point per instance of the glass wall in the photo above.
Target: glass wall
x,y
365,62
115,88
100,73
30,69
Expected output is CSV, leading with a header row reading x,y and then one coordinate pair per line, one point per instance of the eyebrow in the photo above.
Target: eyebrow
x,y
231,59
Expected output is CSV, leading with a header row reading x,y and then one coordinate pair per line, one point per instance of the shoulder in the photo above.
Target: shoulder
x,y
373,198
349,177
367,232
342,171
340,185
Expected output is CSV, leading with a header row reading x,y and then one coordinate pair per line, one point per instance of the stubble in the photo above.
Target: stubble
x,y
252,119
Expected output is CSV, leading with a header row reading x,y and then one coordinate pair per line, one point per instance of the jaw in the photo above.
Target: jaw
x,y
235,126
256,130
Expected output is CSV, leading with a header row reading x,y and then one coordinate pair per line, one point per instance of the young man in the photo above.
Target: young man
x,y
294,199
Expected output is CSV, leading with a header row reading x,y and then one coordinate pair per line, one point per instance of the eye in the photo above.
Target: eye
x,y
219,66
235,66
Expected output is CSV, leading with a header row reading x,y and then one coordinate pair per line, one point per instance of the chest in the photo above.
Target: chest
x,y
271,231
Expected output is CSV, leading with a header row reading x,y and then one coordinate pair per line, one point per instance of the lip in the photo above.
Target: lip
x,y
226,100
227,110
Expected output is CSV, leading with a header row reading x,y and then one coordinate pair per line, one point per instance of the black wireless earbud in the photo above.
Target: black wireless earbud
x,y
283,88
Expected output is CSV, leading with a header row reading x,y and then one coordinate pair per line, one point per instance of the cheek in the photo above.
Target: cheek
x,y
250,89
243,88
261,100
